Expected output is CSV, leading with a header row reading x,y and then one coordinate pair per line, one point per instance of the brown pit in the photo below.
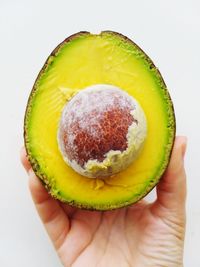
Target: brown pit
x,y
93,123
112,130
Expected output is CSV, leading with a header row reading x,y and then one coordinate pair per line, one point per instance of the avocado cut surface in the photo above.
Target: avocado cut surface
x,y
80,61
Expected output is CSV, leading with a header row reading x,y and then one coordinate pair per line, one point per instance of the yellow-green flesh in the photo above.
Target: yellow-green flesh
x,y
85,60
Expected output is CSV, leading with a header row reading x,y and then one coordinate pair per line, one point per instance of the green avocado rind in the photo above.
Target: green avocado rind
x,y
58,194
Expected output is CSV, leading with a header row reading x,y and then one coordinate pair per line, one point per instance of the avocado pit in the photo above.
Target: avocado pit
x,y
101,131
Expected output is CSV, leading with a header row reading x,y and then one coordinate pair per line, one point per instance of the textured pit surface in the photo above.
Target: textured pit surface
x,y
96,122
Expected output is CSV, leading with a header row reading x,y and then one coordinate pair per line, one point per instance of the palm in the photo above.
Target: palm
x,y
107,238
141,235
125,237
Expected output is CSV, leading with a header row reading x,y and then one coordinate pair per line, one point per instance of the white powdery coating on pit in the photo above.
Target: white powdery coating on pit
x,y
114,161
83,108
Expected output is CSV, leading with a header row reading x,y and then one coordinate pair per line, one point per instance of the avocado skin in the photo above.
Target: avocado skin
x,y
34,163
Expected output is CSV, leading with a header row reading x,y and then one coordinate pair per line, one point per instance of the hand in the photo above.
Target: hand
x,y
141,235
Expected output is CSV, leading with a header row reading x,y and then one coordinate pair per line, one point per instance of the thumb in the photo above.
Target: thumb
x,y
171,190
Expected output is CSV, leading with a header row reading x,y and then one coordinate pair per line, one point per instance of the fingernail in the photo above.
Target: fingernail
x,y
30,172
184,146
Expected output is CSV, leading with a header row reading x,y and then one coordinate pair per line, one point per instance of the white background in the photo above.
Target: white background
x,y
168,31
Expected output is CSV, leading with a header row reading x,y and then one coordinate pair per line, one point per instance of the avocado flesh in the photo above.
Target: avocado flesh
x,y
80,61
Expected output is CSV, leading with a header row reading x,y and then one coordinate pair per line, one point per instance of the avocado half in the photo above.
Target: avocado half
x,y
82,60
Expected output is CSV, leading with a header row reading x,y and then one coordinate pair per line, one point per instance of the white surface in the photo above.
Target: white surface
x,y
169,31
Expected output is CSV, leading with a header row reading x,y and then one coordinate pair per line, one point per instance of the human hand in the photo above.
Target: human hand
x,y
140,235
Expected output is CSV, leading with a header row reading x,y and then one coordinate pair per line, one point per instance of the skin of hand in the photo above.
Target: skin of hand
x,y
141,235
